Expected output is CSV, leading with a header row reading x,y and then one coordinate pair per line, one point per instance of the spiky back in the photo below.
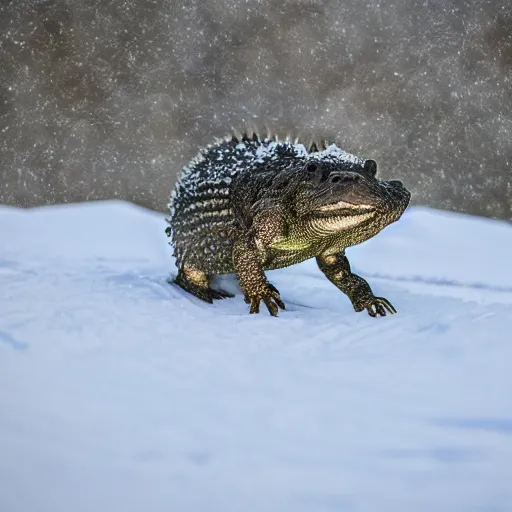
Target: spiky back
x,y
201,218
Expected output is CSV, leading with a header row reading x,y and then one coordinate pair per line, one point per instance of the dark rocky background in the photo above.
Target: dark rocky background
x,y
108,99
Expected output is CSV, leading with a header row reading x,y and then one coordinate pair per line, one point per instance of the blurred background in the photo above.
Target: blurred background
x,y
109,99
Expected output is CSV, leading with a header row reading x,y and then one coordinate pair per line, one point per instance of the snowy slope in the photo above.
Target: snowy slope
x,y
119,392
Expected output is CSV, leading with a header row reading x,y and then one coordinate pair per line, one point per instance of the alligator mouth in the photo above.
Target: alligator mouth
x,y
342,206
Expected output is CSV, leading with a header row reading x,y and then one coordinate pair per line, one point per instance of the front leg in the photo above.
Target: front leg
x,y
336,268
268,225
253,281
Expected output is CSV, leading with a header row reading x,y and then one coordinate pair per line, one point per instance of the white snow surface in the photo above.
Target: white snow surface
x,y
120,392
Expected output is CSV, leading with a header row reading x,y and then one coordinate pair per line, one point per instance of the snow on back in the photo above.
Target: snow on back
x,y
220,161
333,152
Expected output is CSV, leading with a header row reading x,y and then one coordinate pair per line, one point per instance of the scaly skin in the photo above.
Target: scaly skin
x,y
337,269
247,205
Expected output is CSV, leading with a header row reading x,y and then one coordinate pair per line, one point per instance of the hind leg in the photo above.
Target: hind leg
x,y
196,282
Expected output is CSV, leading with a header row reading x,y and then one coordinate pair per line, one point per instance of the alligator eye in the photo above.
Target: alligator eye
x,y
335,179
311,167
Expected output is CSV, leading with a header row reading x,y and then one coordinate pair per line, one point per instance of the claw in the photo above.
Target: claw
x,y
379,306
371,312
255,306
270,298
273,288
280,303
271,306
384,303
221,294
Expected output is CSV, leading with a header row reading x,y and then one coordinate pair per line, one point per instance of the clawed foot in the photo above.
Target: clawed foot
x,y
202,292
379,306
270,297
220,294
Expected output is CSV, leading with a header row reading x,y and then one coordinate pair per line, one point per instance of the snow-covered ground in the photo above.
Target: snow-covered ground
x,y
119,392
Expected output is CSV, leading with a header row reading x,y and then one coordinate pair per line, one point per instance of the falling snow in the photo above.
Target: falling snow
x,y
111,99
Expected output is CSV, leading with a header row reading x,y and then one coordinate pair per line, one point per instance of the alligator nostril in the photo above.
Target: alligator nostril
x,y
398,183
345,178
